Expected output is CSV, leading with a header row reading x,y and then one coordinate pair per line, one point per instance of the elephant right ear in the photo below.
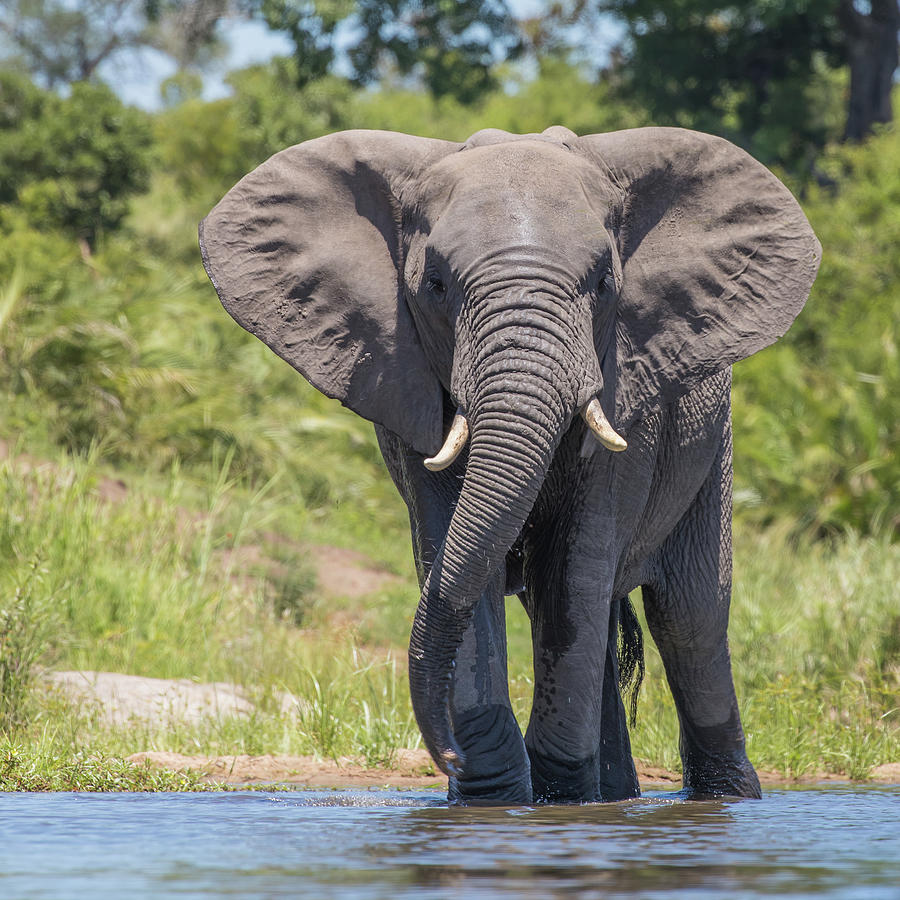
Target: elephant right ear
x,y
305,253
717,260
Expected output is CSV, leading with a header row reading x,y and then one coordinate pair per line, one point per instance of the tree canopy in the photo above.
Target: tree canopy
x,y
70,162
780,77
451,45
765,72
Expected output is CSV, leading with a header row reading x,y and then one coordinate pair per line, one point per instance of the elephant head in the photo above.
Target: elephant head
x,y
520,280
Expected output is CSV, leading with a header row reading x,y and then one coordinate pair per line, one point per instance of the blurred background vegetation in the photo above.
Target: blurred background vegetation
x,y
110,334
115,354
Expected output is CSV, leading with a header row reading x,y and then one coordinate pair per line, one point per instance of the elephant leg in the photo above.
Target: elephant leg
x,y
497,768
686,601
615,764
577,737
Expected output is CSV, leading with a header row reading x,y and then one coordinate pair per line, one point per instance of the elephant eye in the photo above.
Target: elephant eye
x,y
436,286
605,282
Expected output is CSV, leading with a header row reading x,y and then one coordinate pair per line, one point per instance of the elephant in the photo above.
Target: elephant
x,y
542,328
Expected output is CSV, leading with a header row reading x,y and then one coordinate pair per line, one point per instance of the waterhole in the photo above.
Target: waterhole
x,y
824,842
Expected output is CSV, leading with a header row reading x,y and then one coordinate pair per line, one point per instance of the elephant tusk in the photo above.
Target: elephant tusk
x,y
456,440
598,423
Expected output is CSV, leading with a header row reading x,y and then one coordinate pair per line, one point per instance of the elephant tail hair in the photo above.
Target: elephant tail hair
x,y
631,656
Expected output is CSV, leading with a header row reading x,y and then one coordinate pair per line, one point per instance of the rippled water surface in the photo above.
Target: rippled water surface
x,y
835,842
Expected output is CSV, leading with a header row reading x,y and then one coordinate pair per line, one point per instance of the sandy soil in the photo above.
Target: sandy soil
x,y
411,769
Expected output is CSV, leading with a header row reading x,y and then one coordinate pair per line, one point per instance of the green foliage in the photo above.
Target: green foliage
x,y
69,163
560,94
24,767
452,46
311,27
274,114
759,73
140,361
25,627
207,147
456,45
817,417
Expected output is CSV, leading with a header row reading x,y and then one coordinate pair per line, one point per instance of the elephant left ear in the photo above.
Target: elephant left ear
x,y
305,252
717,260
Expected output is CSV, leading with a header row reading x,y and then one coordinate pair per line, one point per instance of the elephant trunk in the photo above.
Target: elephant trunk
x,y
521,407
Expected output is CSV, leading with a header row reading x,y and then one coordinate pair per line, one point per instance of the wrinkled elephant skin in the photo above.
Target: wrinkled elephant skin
x,y
565,310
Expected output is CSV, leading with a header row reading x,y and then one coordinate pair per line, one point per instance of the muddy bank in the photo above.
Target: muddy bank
x,y
410,769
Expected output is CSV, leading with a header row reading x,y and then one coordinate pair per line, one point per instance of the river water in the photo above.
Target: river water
x,y
836,842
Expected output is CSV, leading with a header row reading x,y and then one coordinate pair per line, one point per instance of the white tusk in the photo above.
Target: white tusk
x,y
456,440
598,423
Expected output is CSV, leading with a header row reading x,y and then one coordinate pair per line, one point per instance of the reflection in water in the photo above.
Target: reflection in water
x,y
805,843
626,848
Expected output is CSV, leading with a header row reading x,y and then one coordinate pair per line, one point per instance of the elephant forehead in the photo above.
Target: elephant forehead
x,y
547,228
523,166
526,192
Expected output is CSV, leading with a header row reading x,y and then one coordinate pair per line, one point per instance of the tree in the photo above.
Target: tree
x,y
66,41
70,163
455,44
61,42
871,50
758,70
452,46
311,26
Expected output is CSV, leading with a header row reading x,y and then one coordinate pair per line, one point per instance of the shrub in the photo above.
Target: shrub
x,y
71,162
818,416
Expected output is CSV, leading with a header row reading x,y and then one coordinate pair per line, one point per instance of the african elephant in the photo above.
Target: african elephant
x,y
566,310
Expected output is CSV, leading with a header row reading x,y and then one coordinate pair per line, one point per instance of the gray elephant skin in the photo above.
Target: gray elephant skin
x,y
565,311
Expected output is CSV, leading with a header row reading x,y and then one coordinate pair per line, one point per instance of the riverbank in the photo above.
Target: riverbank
x,y
245,630
122,711
411,769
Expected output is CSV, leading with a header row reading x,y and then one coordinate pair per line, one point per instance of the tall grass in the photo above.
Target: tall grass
x,y
169,475
815,645
25,628
151,582
138,582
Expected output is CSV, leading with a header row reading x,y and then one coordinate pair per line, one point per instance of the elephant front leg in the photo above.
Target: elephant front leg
x,y
577,737
497,769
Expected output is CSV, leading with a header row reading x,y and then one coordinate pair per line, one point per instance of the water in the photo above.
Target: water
x,y
837,843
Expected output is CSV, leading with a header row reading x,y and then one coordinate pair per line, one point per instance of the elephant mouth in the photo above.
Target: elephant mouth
x,y
592,414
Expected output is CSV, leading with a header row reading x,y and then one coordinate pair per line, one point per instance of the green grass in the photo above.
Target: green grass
x,y
142,584
815,645
170,473
153,580
42,767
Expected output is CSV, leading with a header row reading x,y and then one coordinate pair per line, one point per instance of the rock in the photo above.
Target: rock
x,y
124,698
